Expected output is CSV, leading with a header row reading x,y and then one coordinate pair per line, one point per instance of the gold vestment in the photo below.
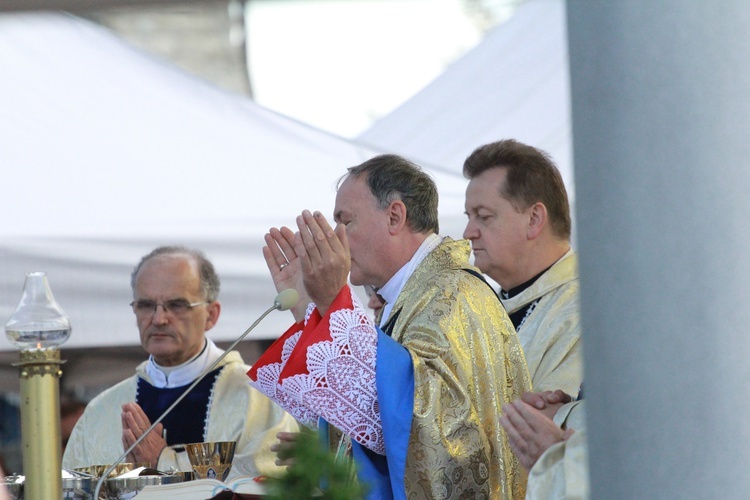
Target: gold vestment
x,y
468,362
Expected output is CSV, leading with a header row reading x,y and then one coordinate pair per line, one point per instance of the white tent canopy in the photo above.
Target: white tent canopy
x,y
514,84
107,153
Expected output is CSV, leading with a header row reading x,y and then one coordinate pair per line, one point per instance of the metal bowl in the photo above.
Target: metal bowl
x,y
77,488
120,488
98,470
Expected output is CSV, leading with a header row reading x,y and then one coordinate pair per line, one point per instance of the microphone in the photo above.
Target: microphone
x,y
284,301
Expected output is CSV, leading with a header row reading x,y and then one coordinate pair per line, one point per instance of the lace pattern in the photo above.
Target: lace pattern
x,y
267,383
339,385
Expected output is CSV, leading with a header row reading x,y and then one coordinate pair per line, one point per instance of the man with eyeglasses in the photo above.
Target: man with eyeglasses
x,y
175,292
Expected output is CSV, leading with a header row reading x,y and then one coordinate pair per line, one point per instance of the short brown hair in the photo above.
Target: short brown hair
x,y
531,177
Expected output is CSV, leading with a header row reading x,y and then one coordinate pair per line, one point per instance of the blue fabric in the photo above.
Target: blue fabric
x,y
187,422
323,432
384,475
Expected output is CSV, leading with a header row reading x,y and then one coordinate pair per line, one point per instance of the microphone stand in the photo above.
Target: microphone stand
x,y
281,302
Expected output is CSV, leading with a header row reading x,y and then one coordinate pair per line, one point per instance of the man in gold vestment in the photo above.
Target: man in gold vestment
x,y
419,394
519,226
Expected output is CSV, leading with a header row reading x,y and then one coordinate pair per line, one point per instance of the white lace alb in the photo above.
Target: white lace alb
x,y
340,384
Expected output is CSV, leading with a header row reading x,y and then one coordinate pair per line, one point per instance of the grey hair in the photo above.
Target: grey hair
x,y
210,283
390,178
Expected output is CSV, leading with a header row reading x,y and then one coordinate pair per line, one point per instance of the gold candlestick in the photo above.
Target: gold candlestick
x,y
37,327
40,423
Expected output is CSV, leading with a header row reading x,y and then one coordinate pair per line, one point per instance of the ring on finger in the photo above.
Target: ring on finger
x,y
282,266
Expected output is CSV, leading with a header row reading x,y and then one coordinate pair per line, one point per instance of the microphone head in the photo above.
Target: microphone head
x,y
286,299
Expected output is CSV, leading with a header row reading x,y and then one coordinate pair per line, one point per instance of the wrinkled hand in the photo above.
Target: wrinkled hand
x,y
324,256
134,424
547,402
530,432
284,447
279,251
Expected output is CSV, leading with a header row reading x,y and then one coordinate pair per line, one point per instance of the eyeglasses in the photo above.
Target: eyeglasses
x,y
176,307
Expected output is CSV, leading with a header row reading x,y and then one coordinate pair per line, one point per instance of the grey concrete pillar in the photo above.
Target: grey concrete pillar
x,y
661,121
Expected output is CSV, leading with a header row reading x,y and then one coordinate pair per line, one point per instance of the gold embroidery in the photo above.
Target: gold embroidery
x,y
467,364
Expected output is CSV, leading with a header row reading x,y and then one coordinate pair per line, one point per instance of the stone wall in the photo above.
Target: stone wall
x,y
206,39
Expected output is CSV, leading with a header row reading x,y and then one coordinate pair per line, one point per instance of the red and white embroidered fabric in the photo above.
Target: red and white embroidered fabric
x,y
326,368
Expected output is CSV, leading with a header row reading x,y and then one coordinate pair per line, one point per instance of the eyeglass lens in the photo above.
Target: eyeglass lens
x,y
174,306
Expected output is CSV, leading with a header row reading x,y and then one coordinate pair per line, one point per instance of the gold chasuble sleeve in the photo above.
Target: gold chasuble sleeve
x,y
468,362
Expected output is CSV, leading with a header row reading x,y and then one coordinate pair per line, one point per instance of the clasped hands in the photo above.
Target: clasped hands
x,y
134,424
315,261
529,426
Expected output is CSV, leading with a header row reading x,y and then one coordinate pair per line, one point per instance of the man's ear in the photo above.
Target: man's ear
x,y
214,310
396,216
537,220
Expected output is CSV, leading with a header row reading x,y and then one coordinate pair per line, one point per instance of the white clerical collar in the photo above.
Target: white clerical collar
x,y
391,290
180,375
